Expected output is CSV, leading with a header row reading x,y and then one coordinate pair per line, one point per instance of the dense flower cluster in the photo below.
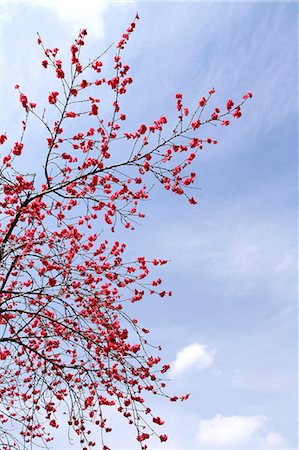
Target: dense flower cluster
x,y
67,342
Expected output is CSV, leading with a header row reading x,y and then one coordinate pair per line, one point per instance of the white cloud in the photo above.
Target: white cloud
x,y
75,14
78,16
194,355
231,431
237,432
274,440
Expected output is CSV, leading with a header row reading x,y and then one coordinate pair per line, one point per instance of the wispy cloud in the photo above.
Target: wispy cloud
x,y
244,252
193,356
237,432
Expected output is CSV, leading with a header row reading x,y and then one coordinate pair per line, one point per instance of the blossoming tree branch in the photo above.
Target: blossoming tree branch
x,y
68,345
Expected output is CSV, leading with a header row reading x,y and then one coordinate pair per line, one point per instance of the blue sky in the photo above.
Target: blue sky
x,y
231,326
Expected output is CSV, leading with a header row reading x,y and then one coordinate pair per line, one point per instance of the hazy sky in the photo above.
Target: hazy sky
x,y
231,326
